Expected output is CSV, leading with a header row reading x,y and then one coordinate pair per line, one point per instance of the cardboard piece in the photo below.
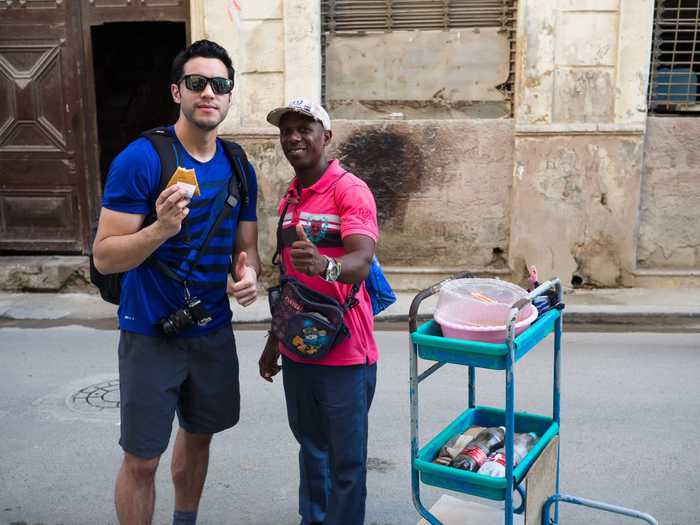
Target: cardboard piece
x,y
452,511
541,482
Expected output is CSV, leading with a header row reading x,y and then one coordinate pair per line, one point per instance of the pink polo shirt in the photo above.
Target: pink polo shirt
x,y
337,205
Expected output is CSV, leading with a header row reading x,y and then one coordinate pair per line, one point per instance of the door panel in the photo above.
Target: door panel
x,y
49,171
42,192
102,11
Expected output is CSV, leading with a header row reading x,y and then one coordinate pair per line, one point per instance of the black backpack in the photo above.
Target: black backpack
x,y
165,144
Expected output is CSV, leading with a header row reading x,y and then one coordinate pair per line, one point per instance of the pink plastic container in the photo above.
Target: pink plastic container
x,y
477,309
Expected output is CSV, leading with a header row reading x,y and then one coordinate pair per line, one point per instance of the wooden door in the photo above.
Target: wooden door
x,y
101,11
44,203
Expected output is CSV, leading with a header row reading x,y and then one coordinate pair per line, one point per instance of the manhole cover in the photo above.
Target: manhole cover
x,y
96,398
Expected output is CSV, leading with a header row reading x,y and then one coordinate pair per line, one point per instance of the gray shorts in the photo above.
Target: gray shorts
x,y
197,377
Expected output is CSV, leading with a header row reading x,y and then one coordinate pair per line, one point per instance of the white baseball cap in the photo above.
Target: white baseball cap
x,y
303,106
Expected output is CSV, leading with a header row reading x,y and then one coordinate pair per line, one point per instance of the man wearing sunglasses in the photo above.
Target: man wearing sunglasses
x,y
195,372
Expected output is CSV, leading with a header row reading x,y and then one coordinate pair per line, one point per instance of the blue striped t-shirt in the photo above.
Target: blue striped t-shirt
x,y
147,296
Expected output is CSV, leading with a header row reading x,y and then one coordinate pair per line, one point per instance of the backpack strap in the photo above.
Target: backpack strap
x,y
165,269
240,167
165,144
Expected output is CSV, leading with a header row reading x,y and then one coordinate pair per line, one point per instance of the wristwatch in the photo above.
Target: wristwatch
x,y
332,270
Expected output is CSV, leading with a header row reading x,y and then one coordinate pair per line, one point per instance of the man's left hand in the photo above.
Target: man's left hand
x,y
245,289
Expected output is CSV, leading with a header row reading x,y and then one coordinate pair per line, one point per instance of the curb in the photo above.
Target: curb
x,y
89,309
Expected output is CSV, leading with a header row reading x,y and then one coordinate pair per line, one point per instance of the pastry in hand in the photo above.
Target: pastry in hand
x,y
186,180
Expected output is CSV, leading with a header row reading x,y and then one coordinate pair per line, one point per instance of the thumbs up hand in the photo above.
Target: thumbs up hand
x,y
239,270
245,289
301,233
305,256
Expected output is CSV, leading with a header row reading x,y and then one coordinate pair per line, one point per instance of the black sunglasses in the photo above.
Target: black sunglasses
x,y
198,83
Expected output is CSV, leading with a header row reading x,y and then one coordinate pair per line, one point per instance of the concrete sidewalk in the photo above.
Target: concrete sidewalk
x,y
659,307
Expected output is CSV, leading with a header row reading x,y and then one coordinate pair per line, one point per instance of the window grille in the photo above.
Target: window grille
x,y
675,60
371,16
387,15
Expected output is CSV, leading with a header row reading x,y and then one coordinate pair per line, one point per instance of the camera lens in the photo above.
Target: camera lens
x,y
176,322
168,327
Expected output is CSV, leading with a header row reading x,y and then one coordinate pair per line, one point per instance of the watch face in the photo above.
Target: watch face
x,y
335,270
332,270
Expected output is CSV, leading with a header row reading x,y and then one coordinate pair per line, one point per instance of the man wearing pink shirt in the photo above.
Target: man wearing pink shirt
x,y
329,234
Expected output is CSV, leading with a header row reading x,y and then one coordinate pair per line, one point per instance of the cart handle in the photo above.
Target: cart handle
x,y
522,303
424,294
599,505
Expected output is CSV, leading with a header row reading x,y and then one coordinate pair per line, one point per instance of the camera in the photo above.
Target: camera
x,y
185,318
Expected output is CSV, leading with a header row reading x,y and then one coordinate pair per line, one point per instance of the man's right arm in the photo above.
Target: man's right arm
x,y
121,244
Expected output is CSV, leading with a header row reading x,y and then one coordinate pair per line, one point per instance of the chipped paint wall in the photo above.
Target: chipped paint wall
x,y
447,182
583,61
446,74
275,46
579,137
669,237
442,188
576,206
577,182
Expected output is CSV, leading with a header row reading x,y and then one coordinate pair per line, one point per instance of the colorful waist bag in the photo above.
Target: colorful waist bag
x,y
308,323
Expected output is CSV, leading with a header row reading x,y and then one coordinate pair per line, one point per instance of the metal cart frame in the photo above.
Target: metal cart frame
x,y
510,358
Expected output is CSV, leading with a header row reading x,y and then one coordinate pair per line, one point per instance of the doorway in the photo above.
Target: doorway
x,y
131,64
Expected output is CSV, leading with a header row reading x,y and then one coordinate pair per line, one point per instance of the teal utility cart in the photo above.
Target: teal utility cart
x,y
428,343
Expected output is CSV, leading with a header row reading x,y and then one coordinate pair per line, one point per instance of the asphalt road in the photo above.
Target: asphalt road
x,y
630,421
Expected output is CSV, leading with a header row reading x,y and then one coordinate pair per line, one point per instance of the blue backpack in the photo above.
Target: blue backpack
x,y
378,288
163,142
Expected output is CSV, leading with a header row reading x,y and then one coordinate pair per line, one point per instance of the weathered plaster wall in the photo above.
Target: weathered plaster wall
x,y
274,173
576,206
563,185
583,61
580,120
447,74
669,233
442,188
275,48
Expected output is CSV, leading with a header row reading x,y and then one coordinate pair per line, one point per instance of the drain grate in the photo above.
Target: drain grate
x,y
96,398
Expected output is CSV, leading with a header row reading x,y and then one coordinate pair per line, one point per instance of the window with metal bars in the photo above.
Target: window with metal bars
x,y
387,15
356,18
675,60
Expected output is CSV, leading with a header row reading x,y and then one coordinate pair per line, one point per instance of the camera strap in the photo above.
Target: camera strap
x,y
229,205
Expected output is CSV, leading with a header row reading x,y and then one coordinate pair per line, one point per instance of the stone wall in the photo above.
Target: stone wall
x,y
446,74
275,46
575,202
565,185
669,233
580,117
442,188
593,209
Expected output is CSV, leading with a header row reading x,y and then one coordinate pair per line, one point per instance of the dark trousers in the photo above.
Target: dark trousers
x,y
327,407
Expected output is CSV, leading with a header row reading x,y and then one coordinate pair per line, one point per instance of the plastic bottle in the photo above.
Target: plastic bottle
x,y
475,454
455,445
495,465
